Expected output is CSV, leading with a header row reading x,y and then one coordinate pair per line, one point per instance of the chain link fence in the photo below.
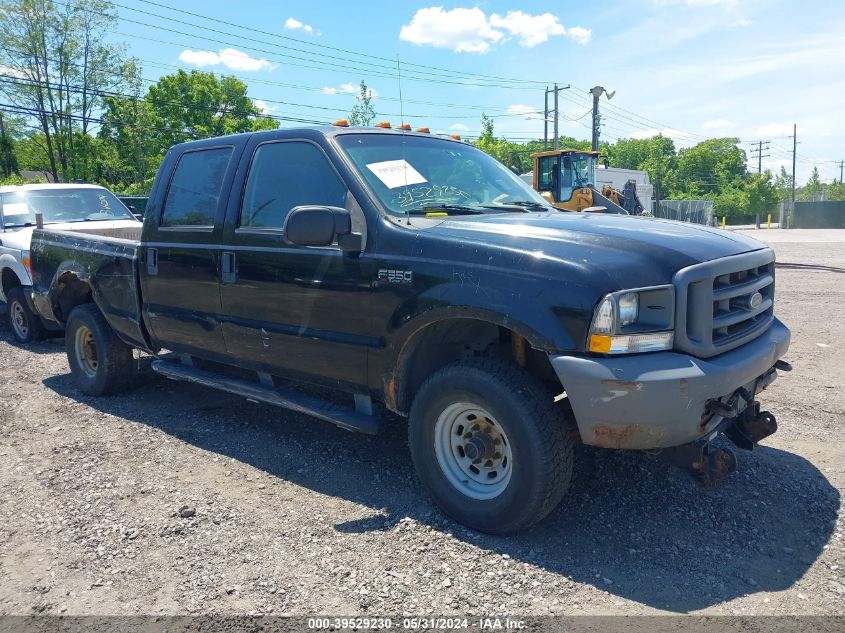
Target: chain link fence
x,y
694,211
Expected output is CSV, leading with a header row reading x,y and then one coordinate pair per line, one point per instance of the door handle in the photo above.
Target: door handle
x,y
228,268
152,261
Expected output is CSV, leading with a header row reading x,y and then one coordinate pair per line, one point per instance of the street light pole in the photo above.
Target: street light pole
x,y
597,92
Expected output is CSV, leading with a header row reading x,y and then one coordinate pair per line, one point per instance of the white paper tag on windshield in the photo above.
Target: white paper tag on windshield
x,y
16,208
396,173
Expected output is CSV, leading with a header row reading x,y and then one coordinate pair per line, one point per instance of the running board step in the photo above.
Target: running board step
x,y
343,417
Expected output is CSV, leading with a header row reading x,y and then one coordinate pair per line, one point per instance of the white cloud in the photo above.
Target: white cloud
x,y
265,107
466,30
525,110
715,124
775,130
530,29
459,127
462,30
199,58
666,131
11,71
579,34
348,89
229,57
237,60
292,24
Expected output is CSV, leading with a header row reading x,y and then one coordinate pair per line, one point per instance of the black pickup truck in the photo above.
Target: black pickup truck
x,y
413,272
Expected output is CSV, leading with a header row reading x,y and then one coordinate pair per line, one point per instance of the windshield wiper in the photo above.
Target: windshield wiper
x,y
450,209
527,204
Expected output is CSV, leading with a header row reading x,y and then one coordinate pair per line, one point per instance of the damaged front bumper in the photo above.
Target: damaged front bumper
x,y
666,399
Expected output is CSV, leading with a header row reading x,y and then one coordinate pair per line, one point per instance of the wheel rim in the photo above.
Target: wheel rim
x,y
86,351
19,320
473,451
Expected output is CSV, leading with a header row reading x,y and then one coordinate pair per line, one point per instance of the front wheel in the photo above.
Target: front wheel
x,y
490,445
26,326
100,362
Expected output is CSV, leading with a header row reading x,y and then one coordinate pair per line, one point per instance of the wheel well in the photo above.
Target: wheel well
x,y
72,292
442,343
9,280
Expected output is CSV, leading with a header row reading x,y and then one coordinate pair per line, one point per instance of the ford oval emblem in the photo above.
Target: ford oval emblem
x,y
755,300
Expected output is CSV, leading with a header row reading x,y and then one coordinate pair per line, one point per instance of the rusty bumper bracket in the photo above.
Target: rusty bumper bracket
x,y
707,466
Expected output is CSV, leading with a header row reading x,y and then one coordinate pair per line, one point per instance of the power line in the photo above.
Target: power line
x,y
327,47
331,65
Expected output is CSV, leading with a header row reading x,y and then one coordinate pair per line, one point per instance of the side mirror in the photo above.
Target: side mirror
x,y
312,225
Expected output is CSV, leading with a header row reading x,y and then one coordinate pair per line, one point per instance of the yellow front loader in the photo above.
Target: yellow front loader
x,y
567,177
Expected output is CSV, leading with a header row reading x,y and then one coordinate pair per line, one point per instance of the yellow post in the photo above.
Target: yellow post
x,y
770,222
724,220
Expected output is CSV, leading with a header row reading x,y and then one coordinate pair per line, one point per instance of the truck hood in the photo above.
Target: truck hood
x,y
630,251
126,229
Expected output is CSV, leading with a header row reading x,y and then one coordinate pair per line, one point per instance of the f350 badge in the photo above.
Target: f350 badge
x,y
395,276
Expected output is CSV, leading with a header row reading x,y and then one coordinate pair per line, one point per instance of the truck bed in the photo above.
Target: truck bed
x,y
109,265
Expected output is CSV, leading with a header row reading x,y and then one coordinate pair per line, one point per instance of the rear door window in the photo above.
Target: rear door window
x,y
194,193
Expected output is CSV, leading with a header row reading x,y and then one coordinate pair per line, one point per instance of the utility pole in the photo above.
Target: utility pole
x,y
760,154
556,90
546,122
557,110
597,92
841,164
794,152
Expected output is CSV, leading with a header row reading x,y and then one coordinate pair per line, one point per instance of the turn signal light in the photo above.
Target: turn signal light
x,y
384,124
341,123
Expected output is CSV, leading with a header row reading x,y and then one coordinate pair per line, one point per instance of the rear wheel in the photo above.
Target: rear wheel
x,y
490,445
100,362
26,326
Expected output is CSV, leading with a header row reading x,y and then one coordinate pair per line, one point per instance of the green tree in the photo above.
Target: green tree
x,y
708,168
814,189
8,160
363,111
200,104
762,194
60,66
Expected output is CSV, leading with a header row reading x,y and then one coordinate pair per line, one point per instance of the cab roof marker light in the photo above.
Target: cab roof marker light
x,y
341,123
405,126
457,137
424,130
384,124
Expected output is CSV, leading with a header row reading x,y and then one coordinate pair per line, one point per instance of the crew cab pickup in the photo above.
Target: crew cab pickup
x,y
412,271
85,208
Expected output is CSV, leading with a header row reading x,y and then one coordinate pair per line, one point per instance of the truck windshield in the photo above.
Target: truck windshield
x,y
415,173
59,204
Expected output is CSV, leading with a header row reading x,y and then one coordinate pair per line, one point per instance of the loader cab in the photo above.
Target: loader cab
x,y
566,177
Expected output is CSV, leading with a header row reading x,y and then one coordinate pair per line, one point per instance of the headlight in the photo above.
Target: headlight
x,y
634,321
629,306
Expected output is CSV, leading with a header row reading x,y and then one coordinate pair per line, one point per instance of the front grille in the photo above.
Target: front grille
x,y
715,311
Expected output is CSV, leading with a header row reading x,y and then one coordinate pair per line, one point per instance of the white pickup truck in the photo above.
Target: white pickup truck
x,y
74,207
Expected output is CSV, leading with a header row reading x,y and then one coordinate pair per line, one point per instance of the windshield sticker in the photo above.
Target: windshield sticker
x,y
396,173
429,194
16,208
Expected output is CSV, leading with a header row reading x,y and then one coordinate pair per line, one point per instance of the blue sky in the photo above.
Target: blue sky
x,y
690,69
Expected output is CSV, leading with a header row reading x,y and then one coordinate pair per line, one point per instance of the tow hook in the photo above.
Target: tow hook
x,y
751,427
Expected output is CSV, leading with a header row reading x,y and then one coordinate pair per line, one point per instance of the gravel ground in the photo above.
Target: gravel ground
x,y
175,499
